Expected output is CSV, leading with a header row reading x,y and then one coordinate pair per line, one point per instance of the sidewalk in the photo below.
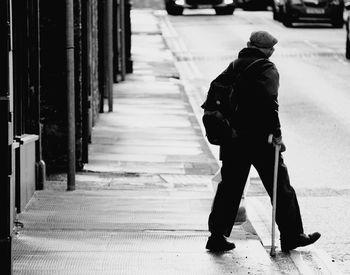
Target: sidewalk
x,y
142,202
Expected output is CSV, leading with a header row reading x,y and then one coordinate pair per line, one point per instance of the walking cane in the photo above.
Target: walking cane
x,y
274,197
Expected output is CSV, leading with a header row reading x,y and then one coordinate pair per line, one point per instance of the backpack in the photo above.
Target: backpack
x,y
219,110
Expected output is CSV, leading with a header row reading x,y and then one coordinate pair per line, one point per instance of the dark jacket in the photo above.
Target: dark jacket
x,y
257,90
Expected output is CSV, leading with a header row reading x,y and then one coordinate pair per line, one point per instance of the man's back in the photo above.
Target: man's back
x,y
256,94
257,112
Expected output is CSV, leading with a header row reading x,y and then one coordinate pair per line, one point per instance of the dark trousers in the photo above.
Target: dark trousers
x,y
237,159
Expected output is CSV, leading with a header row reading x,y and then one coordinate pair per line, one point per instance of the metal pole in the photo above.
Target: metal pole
x,y
70,94
86,78
101,63
128,60
274,200
122,38
115,40
108,51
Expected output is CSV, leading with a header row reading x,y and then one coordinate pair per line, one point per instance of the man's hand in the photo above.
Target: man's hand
x,y
278,141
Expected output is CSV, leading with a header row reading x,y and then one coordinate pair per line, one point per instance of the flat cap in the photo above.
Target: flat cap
x,y
262,39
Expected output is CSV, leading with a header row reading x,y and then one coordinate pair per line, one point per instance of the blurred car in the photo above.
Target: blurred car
x,y
347,24
221,7
290,11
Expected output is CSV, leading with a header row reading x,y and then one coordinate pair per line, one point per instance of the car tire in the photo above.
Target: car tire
x,y
338,23
174,10
287,20
347,48
225,11
275,14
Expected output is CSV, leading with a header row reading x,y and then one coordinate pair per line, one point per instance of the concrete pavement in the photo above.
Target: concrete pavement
x,y
142,202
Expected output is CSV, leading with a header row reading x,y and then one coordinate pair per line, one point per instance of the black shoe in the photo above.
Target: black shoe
x,y
219,244
301,240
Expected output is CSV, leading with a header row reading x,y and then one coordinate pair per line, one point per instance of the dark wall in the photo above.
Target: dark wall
x,y
53,80
53,84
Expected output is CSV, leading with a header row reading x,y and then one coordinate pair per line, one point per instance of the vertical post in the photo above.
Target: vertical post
x,y
115,40
86,77
70,94
101,65
122,39
127,18
5,138
78,82
108,51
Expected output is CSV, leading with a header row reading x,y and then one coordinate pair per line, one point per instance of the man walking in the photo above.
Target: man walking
x,y
256,117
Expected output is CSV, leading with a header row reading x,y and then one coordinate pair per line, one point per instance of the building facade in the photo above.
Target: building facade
x,y
40,85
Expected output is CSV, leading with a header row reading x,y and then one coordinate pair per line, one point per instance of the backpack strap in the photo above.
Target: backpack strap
x,y
234,96
246,69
